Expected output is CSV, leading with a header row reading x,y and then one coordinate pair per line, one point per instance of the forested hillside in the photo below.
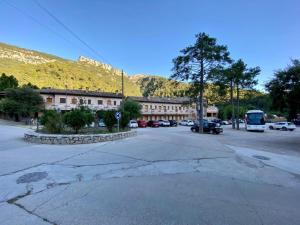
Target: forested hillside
x,y
45,70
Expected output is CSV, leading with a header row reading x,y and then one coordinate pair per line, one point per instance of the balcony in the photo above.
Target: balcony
x,y
164,112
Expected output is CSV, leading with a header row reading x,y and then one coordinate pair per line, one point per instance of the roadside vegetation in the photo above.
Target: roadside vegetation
x,y
82,120
210,73
21,102
203,70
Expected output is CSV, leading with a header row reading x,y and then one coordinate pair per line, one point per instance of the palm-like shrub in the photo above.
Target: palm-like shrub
x,y
52,121
109,119
78,118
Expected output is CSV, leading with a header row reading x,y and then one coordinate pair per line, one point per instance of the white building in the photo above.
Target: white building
x,y
153,108
65,100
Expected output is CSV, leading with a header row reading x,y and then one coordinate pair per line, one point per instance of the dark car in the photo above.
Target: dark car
x,y
173,123
217,121
153,123
142,123
208,127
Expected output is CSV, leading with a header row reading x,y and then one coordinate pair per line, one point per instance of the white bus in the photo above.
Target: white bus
x,y
255,120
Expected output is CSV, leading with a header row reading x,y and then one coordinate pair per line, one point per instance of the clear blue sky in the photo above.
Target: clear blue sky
x,y
143,36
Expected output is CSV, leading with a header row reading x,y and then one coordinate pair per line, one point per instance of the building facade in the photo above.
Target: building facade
x,y
65,100
153,108
212,112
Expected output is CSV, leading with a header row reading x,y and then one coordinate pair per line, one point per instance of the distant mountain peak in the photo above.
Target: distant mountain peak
x,y
94,62
108,67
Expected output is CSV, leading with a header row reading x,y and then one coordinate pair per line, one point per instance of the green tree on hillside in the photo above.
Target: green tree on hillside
x,y
30,85
244,78
195,64
21,102
284,90
8,82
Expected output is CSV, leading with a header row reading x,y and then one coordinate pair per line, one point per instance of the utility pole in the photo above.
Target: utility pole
x,y
66,86
122,85
232,104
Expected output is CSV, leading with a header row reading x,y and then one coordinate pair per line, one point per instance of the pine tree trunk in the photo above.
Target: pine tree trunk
x,y
201,97
232,104
238,107
201,111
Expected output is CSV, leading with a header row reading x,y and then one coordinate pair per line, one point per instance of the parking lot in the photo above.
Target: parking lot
x,y
276,141
163,176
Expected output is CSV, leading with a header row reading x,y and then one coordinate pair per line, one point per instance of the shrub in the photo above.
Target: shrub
x,y
125,118
21,102
78,118
109,119
89,117
134,108
100,115
52,121
7,82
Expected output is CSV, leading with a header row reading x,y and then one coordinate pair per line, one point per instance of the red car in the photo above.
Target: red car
x,y
142,123
153,123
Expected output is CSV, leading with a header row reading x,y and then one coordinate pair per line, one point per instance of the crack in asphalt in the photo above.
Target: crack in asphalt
x,y
122,155
148,161
124,166
91,165
17,171
45,202
72,200
53,163
13,201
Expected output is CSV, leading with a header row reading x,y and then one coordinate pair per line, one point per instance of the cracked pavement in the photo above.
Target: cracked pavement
x,y
162,176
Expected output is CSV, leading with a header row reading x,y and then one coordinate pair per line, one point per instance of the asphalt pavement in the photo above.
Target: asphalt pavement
x,y
162,176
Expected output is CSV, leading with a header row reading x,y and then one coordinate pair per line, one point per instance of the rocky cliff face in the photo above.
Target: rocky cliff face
x,y
22,55
107,67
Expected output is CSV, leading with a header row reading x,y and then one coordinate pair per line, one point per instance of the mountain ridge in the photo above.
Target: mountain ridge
x,y
50,71
46,70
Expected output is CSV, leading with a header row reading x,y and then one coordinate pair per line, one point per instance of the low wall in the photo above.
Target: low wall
x,y
73,139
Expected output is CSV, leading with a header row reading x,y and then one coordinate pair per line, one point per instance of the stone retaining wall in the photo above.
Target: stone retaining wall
x,y
72,139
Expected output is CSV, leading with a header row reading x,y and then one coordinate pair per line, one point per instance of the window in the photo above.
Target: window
x,y
81,101
108,102
49,100
74,101
89,101
256,119
172,107
150,106
168,107
100,102
156,107
159,107
62,100
115,102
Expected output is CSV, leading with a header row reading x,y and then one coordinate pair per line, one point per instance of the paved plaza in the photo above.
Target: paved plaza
x,y
162,176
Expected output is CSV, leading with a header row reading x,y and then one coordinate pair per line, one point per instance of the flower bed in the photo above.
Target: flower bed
x,y
72,139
